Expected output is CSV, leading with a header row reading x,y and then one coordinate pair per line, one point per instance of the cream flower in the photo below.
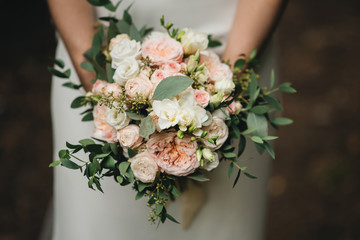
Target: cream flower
x,y
118,39
99,87
168,112
128,68
193,40
202,98
102,129
173,155
129,137
144,167
216,128
125,49
210,165
117,119
140,86
113,89
225,86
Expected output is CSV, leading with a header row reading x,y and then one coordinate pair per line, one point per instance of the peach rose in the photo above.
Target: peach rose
x,y
216,69
144,167
129,137
118,39
202,98
102,129
114,89
138,85
173,155
162,48
171,67
216,128
158,76
99,87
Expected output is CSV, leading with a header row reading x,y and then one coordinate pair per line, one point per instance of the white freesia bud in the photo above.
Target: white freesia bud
x,y
198,154
208,154
117,119
125,49
192,63
210,165
126,69
225,86
216,99
193,40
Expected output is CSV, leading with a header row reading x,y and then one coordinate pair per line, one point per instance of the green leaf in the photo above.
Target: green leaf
x,y
259,122
58,62
111,7
102,155
249,175
88,117
174,191
72,85
273,102
97,42
269,149
97,183
282,121
285,87
64,153
214,44
55,163
159,208
127,17
123,26
171,218
123,167
87,66
69,164
229,155
86,141
114,148
147,127
253,86
259,147
268,138
198,177
139,195
227,148
240,63
98,2
253,54
59,74
272,78
109,73
134,33
142,186
171,86
257,139
260,110
237,178
108,162
248,131
134,116
131,152
71,146
230,170
78,102
119,179
242,145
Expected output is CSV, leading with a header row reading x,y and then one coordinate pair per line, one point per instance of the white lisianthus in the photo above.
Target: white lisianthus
x,y
216,99
202,76
199,117
126,69
210,165
193,40
144,167
208,154
117,119
225,85
125,49
168,112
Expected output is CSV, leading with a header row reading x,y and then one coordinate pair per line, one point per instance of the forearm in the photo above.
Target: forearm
x,y
74,20
252,23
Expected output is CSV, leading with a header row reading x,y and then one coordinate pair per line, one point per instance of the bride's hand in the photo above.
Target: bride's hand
x,y
74,19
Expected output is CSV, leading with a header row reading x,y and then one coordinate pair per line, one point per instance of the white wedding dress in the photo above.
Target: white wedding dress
x,y
81,213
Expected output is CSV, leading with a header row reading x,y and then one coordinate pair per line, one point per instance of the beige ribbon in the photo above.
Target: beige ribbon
x,y
192,199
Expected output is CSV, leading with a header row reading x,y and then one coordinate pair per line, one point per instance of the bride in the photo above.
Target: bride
x,y
81,213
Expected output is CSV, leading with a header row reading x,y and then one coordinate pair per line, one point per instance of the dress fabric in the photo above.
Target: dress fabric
x,y
229,213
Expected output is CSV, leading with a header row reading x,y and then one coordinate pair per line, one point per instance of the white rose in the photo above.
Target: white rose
x,y
129,137
225,86
127,69
144,167
117,119
168,112
210,165
193,40
118,39
125,49
216,128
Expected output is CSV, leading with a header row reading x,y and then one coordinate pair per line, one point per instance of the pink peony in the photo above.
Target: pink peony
x,y
102,129
173,155
162,48
202,98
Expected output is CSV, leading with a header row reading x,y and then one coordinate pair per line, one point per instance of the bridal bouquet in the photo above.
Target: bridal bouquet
x,y
166,109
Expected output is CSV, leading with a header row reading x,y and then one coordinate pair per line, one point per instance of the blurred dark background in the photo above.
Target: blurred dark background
x,y
314,190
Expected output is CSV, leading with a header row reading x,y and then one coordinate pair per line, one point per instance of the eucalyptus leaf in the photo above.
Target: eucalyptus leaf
x,y
240,63
253,54
249,175
123,167
174,191
58,62
272,78
98,2
86,141
282,121
259,122
88,117
134,116
257,139
230,170
273,102
108,162
260,109
147,127
102,155
269,149
229,155
123,26
198,177
55,163
134,33
72,85
171,86
253,86
57,73
78,102
87,66
109,73
69,164
268,138
237,178
139,195
242,145
171,218
131,152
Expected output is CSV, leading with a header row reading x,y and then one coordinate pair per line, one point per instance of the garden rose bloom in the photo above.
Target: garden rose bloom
x,y
173,155
216,128
193,40
126,69
158,76
118,39
216,69
202,98
144,167
171,67
114,89
129,137
161,49
125,49
99,87
102,129
140,86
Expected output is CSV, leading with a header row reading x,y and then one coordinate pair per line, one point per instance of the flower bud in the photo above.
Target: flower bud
x,y
191,129
216,99
198,154
204,133
238,107
191,65
180,134
192,139
200,67
207,154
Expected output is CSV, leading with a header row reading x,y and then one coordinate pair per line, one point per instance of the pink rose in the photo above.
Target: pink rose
x,y
114,89
173,155
162,48
171,67
158,76
217,70
99,87
144,167
129,137
216,128
202,98
138,86
102,129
